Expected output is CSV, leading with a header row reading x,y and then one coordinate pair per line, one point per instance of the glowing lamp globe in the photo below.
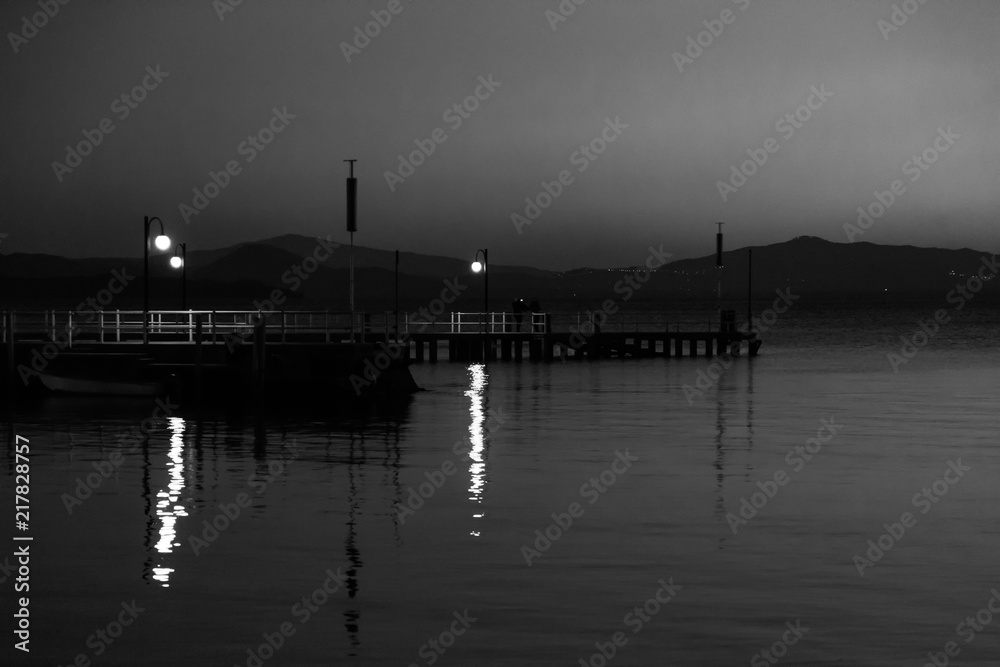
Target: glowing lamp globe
x,y
477,267
162,242
176,262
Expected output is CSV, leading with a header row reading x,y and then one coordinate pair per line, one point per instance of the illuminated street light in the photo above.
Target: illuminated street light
x,y
162,242
483,267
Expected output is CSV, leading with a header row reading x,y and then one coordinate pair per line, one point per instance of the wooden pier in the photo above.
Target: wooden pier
x,y
279,351
569,346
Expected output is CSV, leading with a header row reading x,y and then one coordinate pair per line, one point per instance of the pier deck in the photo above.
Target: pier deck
x,y
452,337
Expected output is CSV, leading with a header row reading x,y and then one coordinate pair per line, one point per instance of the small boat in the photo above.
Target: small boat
x,y
78,385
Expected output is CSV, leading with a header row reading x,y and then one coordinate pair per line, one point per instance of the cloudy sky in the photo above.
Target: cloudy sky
x,y
649,111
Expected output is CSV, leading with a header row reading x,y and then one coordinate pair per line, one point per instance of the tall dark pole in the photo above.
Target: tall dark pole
x,y
718,267
749,289
145,279
486,289
396,307
486,285
182,247
147,223
352,226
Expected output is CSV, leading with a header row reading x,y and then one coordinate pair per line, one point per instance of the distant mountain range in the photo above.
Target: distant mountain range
x,y
237,276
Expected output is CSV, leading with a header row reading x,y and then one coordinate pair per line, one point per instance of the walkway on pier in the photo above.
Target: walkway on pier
x,y
499,335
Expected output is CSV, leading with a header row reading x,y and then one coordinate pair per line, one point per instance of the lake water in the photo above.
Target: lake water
x,y
647,479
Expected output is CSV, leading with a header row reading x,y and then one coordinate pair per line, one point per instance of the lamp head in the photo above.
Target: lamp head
x,y
162,242
176,262
477,266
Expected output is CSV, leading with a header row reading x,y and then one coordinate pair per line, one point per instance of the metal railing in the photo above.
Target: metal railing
x,y
503,322
218,326
178,326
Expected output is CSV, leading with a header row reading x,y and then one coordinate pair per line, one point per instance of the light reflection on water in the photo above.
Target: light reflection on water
x,y
333,507
168,507
478,383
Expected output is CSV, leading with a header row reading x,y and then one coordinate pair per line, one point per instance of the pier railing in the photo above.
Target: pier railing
x,y
503,322
219,326
179,326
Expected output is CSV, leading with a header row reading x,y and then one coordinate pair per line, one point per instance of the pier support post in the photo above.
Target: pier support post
x,y
259,354
432,349
420,349
518,349
8,327
197,355
593,347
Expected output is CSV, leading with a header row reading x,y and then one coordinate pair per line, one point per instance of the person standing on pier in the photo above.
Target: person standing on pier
x,y
517,307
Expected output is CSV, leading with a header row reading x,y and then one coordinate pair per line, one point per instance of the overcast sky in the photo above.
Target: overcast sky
x,y
676,119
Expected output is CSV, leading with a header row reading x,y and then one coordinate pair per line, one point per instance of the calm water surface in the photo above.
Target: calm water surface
x,y
518,443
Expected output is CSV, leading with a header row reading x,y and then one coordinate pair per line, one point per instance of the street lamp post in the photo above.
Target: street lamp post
x,y
162,242
180,262
483,266
718,268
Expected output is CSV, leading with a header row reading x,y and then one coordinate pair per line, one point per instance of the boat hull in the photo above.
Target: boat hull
x,y
74,385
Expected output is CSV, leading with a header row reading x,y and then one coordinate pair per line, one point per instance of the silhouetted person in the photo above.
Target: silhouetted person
x,y
518,307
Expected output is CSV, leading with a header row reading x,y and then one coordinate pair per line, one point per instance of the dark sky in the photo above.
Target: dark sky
x,y
681,126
